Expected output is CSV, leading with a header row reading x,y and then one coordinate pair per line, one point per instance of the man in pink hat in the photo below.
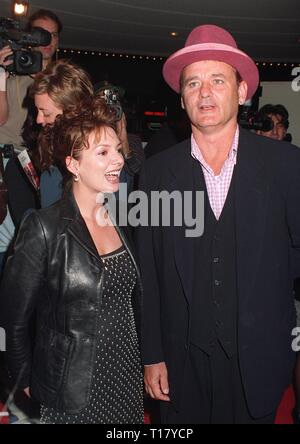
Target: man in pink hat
x,y
218,309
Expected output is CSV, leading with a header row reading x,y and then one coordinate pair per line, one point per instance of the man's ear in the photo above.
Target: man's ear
x,y
242,92
72,165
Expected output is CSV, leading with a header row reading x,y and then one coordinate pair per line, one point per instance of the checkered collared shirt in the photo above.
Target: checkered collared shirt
x,y
217,186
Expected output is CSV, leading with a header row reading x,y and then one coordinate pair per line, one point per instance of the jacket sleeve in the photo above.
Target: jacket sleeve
x,y
23,279
151,332
21,194
293,210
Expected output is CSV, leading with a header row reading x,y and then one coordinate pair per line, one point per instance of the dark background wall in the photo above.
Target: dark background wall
x,y
145,89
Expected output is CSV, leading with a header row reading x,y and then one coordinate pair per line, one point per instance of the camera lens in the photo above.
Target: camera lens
x,y
25,60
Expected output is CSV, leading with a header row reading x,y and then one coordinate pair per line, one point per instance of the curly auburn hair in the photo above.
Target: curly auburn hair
x,y
68,136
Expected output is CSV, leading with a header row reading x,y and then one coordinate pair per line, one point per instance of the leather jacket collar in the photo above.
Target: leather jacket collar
x,y
70,214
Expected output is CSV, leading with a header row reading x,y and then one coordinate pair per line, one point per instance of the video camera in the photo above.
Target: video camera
x,y
252,120
111,97
25,61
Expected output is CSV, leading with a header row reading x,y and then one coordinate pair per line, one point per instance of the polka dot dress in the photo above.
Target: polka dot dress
x,y
117,383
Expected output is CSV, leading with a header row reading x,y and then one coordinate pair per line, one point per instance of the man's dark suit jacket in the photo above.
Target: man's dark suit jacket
x,y
267,208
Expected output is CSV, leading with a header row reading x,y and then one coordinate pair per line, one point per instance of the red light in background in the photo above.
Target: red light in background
x,y
154,113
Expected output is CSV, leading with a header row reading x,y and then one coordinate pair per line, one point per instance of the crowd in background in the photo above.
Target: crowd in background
x,y
83,282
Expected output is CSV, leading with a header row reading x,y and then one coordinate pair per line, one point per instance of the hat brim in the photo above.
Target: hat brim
x,y
238,59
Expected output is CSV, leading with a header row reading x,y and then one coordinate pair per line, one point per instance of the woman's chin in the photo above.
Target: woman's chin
x,y
111,189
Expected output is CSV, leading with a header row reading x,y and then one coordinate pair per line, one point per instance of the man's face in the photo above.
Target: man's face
x,y
278,132
211,94
50,26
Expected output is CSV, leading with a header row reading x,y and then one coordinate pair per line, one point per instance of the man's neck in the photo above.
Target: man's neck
x,y
215,145
215,142
46,63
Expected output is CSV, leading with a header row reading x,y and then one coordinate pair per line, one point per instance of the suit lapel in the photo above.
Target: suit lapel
x,y
251,211
79,231
188,176
251,201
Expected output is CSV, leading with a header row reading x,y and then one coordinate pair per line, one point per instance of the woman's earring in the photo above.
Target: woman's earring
x,y
76,178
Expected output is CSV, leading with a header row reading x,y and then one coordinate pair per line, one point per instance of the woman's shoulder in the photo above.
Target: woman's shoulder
x,y
45,218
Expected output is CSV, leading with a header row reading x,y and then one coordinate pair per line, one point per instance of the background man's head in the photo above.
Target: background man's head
x,y
279,117
50,22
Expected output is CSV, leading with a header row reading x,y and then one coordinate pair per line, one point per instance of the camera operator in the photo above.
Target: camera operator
x,y
279,116
48,21
13,113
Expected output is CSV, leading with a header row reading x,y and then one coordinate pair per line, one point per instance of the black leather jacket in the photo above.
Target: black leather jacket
x,y
56,275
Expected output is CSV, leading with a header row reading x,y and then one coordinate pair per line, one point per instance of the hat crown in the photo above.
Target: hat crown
x,y
210,42
210,34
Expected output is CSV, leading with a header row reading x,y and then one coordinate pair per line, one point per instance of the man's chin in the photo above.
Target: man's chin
x,y
47,57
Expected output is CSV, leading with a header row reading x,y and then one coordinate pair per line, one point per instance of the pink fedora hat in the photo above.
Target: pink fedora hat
x,y
210,42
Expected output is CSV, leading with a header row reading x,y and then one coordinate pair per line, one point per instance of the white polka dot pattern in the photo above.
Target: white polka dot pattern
x,y
117,384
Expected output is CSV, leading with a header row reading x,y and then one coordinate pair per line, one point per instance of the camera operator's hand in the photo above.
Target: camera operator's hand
x,y
5,52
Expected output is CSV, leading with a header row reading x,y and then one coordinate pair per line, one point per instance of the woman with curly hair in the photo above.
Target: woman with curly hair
x,y
74,268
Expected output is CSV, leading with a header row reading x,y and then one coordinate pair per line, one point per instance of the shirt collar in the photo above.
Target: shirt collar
x,y
197,153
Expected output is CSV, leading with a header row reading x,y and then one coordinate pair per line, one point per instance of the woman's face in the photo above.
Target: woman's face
x,y
98,167
46,108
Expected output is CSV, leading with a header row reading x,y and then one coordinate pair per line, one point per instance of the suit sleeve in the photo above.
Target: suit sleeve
x,y
152,348
23,279
293,213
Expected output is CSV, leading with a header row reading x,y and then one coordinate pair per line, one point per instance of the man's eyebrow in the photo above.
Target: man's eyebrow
x,y
188,79
197,77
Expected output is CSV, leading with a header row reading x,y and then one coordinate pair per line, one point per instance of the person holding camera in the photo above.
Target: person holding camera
x,y
13,112
279,117
14,87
